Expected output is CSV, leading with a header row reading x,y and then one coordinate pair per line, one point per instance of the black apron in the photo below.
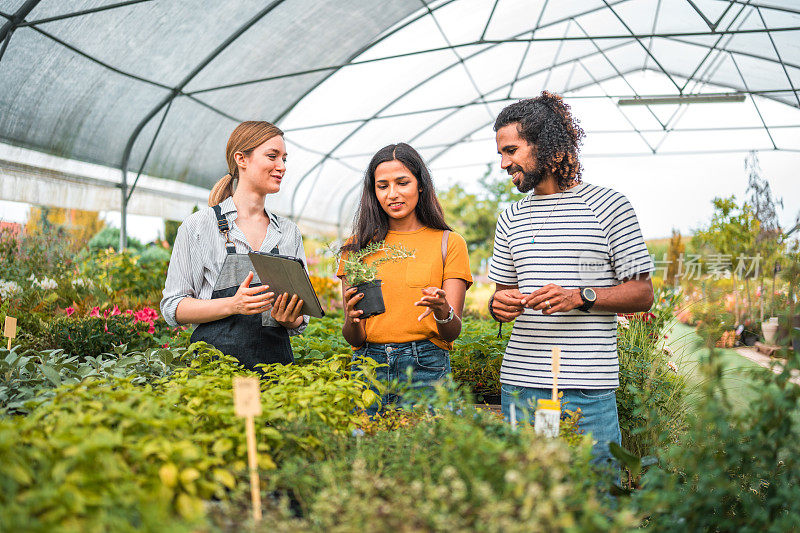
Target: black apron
x,y
252,339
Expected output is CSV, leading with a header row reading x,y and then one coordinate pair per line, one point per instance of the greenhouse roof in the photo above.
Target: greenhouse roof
x,y
154,87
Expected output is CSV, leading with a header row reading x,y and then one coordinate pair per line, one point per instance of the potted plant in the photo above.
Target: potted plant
x,y
361,274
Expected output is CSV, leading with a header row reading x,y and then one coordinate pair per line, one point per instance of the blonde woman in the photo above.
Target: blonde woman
x,y
210,281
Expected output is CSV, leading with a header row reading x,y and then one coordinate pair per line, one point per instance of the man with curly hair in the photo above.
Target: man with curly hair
x,y
567,258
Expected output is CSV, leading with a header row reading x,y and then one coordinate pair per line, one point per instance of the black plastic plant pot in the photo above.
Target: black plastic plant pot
x,y
372,302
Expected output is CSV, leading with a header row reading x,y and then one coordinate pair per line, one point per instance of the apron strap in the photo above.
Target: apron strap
x,y
222,224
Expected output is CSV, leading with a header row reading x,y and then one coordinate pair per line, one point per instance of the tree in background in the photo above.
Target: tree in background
x,y
674,253
474,215
77,225
765,209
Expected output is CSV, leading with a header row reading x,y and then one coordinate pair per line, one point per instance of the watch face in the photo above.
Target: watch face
x,y
589,294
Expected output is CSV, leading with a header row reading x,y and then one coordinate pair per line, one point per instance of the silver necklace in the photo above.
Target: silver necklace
x,y
530,215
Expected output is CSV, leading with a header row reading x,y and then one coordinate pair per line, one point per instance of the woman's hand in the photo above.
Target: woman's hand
x,y
435,300
288,311
352,297
251,300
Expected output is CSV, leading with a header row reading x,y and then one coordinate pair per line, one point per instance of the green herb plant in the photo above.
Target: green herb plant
x,y
358,271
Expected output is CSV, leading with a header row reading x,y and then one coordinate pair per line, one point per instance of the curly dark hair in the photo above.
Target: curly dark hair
x,y
546,122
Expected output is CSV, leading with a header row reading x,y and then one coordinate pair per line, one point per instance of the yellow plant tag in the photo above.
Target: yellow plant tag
x,y
246,397
10,327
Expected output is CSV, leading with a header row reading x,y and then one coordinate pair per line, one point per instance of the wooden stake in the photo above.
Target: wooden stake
x,y
247,404
10,329
556,364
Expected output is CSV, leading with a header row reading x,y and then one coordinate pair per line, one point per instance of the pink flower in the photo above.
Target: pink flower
x,y
151,329
115,311
106,312
165,345
105,327
69,311
95,312
129,311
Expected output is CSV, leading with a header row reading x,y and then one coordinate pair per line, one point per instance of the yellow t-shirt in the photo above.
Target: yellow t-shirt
x,y
404,280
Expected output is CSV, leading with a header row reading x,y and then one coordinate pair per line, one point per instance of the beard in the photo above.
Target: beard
x,y
529,179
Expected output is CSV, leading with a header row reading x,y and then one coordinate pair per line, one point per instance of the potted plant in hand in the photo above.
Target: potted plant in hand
x,y
360,274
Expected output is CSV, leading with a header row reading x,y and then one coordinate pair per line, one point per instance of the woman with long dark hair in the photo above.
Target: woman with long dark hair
x,y
424,295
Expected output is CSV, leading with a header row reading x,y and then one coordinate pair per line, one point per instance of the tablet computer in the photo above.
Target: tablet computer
x,y
287,274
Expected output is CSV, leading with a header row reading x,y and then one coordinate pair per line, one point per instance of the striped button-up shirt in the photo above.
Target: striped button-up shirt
x,y
199,251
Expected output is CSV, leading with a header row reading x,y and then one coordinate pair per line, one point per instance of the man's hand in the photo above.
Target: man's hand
x,y
507,304
553,299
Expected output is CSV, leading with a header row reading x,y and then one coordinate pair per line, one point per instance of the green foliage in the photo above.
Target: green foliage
x,y
357,270
108,238
477,356
29,374
651,394
321,339
171,231
454,472
112,455
45,253
91,336
474,215
124,278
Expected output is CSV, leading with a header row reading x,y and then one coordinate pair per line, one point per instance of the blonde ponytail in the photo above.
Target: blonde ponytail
x,y
221,191
245,138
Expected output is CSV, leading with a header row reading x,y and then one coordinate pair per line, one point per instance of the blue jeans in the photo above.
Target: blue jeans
x,y
598,407
427,362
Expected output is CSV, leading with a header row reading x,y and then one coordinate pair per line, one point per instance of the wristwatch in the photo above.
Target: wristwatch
x,y
589,297
446,320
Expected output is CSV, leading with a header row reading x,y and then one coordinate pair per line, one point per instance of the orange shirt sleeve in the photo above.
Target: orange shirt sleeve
x,y
456,264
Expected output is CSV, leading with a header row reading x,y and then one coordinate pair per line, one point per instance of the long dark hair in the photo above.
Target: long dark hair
x,y
371,223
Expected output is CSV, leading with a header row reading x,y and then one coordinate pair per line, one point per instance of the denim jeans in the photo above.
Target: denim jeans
x,y
427,362
598,409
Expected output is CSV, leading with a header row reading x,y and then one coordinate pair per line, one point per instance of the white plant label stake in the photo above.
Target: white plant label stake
x,y
247,404
513,416
10,329
548,412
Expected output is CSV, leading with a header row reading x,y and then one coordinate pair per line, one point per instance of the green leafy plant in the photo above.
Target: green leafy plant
x,y
456,471
357,270
109,454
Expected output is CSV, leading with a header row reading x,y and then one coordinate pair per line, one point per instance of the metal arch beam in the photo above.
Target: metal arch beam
x,y
752,98
613,66
97,61
408,91
7,29
714,46
652,30
455,52
777,53
351,61
774,8
627,119
663,35
352,57
464,137
83,12
737,52
638,40
527,49
174,93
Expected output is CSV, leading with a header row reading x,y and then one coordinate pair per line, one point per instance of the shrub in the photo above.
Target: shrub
x,y
111,455
452,472
477,356
108,237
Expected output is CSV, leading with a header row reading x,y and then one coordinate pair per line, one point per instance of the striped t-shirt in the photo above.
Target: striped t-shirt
x,y
586,236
